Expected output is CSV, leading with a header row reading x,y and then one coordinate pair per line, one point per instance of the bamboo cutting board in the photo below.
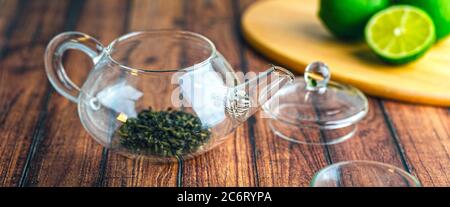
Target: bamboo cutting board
x,y
290,32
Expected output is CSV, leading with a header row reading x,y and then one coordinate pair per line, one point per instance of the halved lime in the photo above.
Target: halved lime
x,y
439,11
400,34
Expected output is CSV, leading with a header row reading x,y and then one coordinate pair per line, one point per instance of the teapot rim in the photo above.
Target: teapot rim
x,y
124,37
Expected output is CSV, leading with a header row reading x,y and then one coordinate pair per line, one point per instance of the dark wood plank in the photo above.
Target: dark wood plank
x,y
373,141
232,163
423,133
10,162
121,171
8,17
22,79
67,155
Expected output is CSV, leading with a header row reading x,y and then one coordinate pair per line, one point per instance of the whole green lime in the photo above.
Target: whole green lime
x,y
439,11
346,19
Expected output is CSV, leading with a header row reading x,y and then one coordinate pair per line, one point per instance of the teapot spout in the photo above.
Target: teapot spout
x,y
245,99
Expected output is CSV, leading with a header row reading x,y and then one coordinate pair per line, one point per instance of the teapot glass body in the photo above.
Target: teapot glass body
x,y
164,95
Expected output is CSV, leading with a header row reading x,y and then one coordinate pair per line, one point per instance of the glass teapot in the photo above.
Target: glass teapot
x,y
164,95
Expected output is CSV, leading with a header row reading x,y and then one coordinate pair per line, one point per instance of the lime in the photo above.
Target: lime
x,y
346,18
400,34
439,11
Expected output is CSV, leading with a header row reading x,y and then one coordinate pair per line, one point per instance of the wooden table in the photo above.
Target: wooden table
x,y
42,142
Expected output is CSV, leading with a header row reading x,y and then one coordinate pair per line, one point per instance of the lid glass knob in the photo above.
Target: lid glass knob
x,y
317,75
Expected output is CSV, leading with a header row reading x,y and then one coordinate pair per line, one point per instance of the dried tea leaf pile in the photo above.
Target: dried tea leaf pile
x,y
164,133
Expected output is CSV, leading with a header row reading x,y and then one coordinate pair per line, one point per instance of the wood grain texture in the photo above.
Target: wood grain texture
x,y
373,141
232,163
8,16
14,143
23,84
423,134
42,142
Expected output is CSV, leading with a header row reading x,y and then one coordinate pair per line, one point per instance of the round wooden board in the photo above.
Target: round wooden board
x,y
289,32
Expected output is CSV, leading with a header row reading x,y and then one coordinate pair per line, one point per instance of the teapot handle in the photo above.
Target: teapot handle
x,y
54,60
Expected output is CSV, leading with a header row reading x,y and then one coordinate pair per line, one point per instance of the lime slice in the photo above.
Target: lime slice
x,y
400,34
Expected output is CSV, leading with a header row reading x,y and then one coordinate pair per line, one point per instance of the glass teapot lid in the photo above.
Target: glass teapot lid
x,y
363,173
315,110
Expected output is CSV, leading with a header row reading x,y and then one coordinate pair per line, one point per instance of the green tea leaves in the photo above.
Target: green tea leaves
x,y
164,133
